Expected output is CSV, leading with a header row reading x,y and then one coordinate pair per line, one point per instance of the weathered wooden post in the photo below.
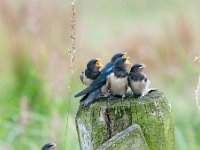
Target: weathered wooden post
x,y
140,124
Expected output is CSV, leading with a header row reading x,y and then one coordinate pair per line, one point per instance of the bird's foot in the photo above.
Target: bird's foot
x,y
123,96
110,96
137,95
120,97
103,95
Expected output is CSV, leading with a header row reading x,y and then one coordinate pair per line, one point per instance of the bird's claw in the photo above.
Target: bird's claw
x,y
137,95
109,96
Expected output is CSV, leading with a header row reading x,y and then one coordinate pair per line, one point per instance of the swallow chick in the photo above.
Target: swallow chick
x,y
49,146
117,81
100,81
98,86
91,72
138,81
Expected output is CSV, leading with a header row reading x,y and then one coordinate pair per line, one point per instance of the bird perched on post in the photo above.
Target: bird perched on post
x,y
138,81
101,79
91,72
98,86
117,81
49,146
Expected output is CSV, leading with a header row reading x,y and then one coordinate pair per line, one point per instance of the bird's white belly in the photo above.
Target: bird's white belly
x,y
85,80
104,89
118,86
139,87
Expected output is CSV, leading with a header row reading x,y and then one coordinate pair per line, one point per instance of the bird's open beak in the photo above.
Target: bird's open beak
x,y
98,63
127,62
125,55
141,68
53,146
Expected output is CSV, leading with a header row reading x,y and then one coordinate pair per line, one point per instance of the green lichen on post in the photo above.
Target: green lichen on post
x,y
153,114
105,118
131,138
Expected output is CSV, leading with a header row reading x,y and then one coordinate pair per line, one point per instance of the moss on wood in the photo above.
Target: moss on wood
x,y
105,118
131,138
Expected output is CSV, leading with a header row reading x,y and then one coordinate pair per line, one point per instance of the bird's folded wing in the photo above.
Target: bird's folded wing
x,y
98,82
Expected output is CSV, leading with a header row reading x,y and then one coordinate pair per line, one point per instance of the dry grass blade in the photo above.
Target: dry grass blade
x,y
72,51
198,93
71,55
197,59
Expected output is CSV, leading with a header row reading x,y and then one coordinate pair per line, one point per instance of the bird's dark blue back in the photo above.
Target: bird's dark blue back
x,y
101,79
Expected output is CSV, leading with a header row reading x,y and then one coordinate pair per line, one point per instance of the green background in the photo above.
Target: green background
x,y
36,82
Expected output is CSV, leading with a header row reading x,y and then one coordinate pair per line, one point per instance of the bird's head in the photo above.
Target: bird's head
x,y
94,64
137,68
122,63
118,55
49,146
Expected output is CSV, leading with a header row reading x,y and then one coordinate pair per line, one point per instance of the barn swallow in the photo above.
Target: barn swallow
x,y
100,81
49,146
91,72
117,81
138,81
98,86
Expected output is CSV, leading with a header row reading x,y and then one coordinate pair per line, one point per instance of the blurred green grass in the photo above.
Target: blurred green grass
x,y
35,73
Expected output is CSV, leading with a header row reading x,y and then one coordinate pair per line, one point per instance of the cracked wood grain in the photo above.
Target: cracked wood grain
x,y
152,113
